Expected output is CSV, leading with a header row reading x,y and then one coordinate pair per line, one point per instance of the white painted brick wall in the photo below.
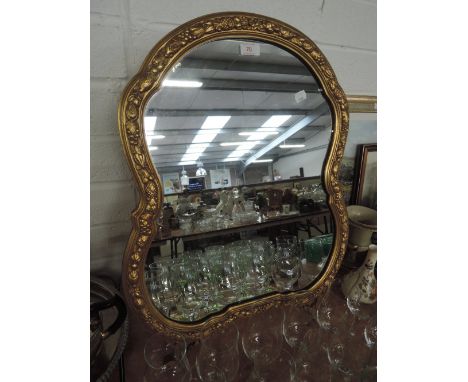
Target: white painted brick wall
x,y
122,33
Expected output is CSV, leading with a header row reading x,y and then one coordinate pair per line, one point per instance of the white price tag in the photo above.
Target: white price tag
x,y
249,49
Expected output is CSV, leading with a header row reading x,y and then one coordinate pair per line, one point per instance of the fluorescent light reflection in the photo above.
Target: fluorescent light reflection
x,y
258,133
276,120
186,163
182,84
263,160
208,131
231,159
215,122
149,123
154,148
290,146
205,137
238,143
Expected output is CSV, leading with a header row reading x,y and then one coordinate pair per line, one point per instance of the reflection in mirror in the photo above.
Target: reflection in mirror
x,y
238,133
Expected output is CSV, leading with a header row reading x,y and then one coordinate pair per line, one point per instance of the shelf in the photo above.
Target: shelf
x,y
265,223
247,185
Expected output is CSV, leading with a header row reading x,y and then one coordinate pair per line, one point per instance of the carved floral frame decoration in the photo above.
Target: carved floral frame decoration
x,y
144,84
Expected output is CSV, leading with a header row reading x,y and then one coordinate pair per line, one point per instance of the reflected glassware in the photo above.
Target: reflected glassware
x,y
165,359
286,269
219,356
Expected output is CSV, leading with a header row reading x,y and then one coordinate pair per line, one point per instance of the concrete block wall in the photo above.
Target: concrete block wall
x,y
123,32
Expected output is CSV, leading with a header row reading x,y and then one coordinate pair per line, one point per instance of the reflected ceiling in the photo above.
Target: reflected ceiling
x,y
221,107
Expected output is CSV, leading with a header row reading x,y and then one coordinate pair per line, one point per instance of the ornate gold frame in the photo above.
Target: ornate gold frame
x,y
139,90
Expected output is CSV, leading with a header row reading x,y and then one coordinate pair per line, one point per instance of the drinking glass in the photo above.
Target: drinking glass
x,y
370,336
296,323
165,359
355,307
262,341
286,268
311,360
282,370
219,356
330,313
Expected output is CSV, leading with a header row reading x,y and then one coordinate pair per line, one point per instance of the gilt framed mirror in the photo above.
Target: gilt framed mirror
x,y
234,129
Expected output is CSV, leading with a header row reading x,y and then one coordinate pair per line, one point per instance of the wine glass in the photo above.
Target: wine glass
x,y
354,304
286,268
283,370
296,323
165,359
370,336
311,360
262,341
219,356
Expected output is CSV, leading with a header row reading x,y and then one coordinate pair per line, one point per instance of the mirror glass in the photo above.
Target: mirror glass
x,y
238,133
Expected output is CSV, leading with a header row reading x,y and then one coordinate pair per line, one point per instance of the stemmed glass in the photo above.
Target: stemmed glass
x,y
165,360
370,336
218,358
353,302
311,359
296,323
262,342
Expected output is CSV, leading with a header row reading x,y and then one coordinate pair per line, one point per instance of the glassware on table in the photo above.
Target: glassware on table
x,y
370,332
370,336
283,370
330,312
262,341
311,359
219,356
165,359
296,323
355,305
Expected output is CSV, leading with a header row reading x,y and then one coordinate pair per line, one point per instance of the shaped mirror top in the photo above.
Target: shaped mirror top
x,y
238,133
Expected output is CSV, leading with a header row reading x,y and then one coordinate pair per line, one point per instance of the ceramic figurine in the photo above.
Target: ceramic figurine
x,y
362,281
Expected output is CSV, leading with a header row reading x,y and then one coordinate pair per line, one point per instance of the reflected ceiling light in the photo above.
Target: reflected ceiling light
x,y
231,159
277,141
182,84
258,133
238,143
186,163
205,137
208,131
149,123
276,120
287,146
215,122
238,153
197,148
190,157
153,148
211,128
263,160
156,136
